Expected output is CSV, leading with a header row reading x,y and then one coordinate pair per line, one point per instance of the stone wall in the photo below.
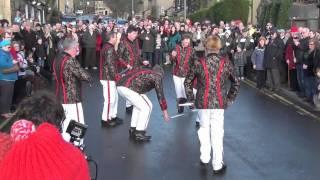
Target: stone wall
x,y
305,15
5,9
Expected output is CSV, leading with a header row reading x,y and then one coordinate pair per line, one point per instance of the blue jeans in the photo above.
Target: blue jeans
x,y
149,57
301,79
41,62
310,86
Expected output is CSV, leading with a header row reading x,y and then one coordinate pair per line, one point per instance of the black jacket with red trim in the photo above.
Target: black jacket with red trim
x,y
184,60
212,73
68,75
108,63
143,81
129,53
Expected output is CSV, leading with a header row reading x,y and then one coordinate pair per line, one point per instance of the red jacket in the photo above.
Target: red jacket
x,y
289,55
98,42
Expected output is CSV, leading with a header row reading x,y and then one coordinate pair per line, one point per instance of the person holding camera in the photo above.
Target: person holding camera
x,y
272,58
68,76
36,149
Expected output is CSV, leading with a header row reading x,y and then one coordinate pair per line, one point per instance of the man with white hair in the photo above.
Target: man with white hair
x,y
68,75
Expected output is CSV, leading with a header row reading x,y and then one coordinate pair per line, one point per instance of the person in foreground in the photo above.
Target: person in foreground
x,y
38,151
212,73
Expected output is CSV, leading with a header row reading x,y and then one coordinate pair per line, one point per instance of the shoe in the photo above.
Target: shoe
x,y
86,68
94,68
140,136
221,170
132,132
117,120
180,108
108,123
202,164
197,124
129,109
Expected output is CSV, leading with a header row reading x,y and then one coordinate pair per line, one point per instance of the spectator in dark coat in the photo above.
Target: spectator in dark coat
x,y
309,69
272,58
29,37
89,40
148,38
300,51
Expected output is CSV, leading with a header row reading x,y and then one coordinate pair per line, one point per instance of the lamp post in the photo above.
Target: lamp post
x,y
318,6
132,8
185,9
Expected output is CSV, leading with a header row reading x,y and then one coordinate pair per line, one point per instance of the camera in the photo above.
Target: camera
x,y
76,131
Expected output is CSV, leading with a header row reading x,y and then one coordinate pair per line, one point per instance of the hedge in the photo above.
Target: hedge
x,y
276,12
226,10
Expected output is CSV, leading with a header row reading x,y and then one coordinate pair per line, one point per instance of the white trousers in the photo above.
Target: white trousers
x,y
179,86
142,107
72,112
211,134
110,105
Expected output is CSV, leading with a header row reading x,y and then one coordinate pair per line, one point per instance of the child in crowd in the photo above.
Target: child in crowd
x,y
257,59
239,62
40,53
33,67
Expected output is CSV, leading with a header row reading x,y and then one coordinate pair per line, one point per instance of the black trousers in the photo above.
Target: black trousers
x,y
294,86
90,57
6,94
273,78
261,79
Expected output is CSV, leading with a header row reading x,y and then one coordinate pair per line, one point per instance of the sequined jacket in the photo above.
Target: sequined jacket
x,y
130,53
143,81
183,61
68,75
109,61
212,73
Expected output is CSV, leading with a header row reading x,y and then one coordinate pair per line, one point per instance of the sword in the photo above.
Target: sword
x,y
186,104
122,73
179,115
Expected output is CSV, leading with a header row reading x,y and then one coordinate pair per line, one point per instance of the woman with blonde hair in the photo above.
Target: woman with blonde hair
x,y
212,72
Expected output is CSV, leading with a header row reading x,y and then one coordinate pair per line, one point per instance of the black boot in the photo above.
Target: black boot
x,y
117,120
132,132
140,136
129,109
108,123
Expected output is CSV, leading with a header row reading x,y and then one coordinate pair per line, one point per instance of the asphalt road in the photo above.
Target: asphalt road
x,y
264,139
